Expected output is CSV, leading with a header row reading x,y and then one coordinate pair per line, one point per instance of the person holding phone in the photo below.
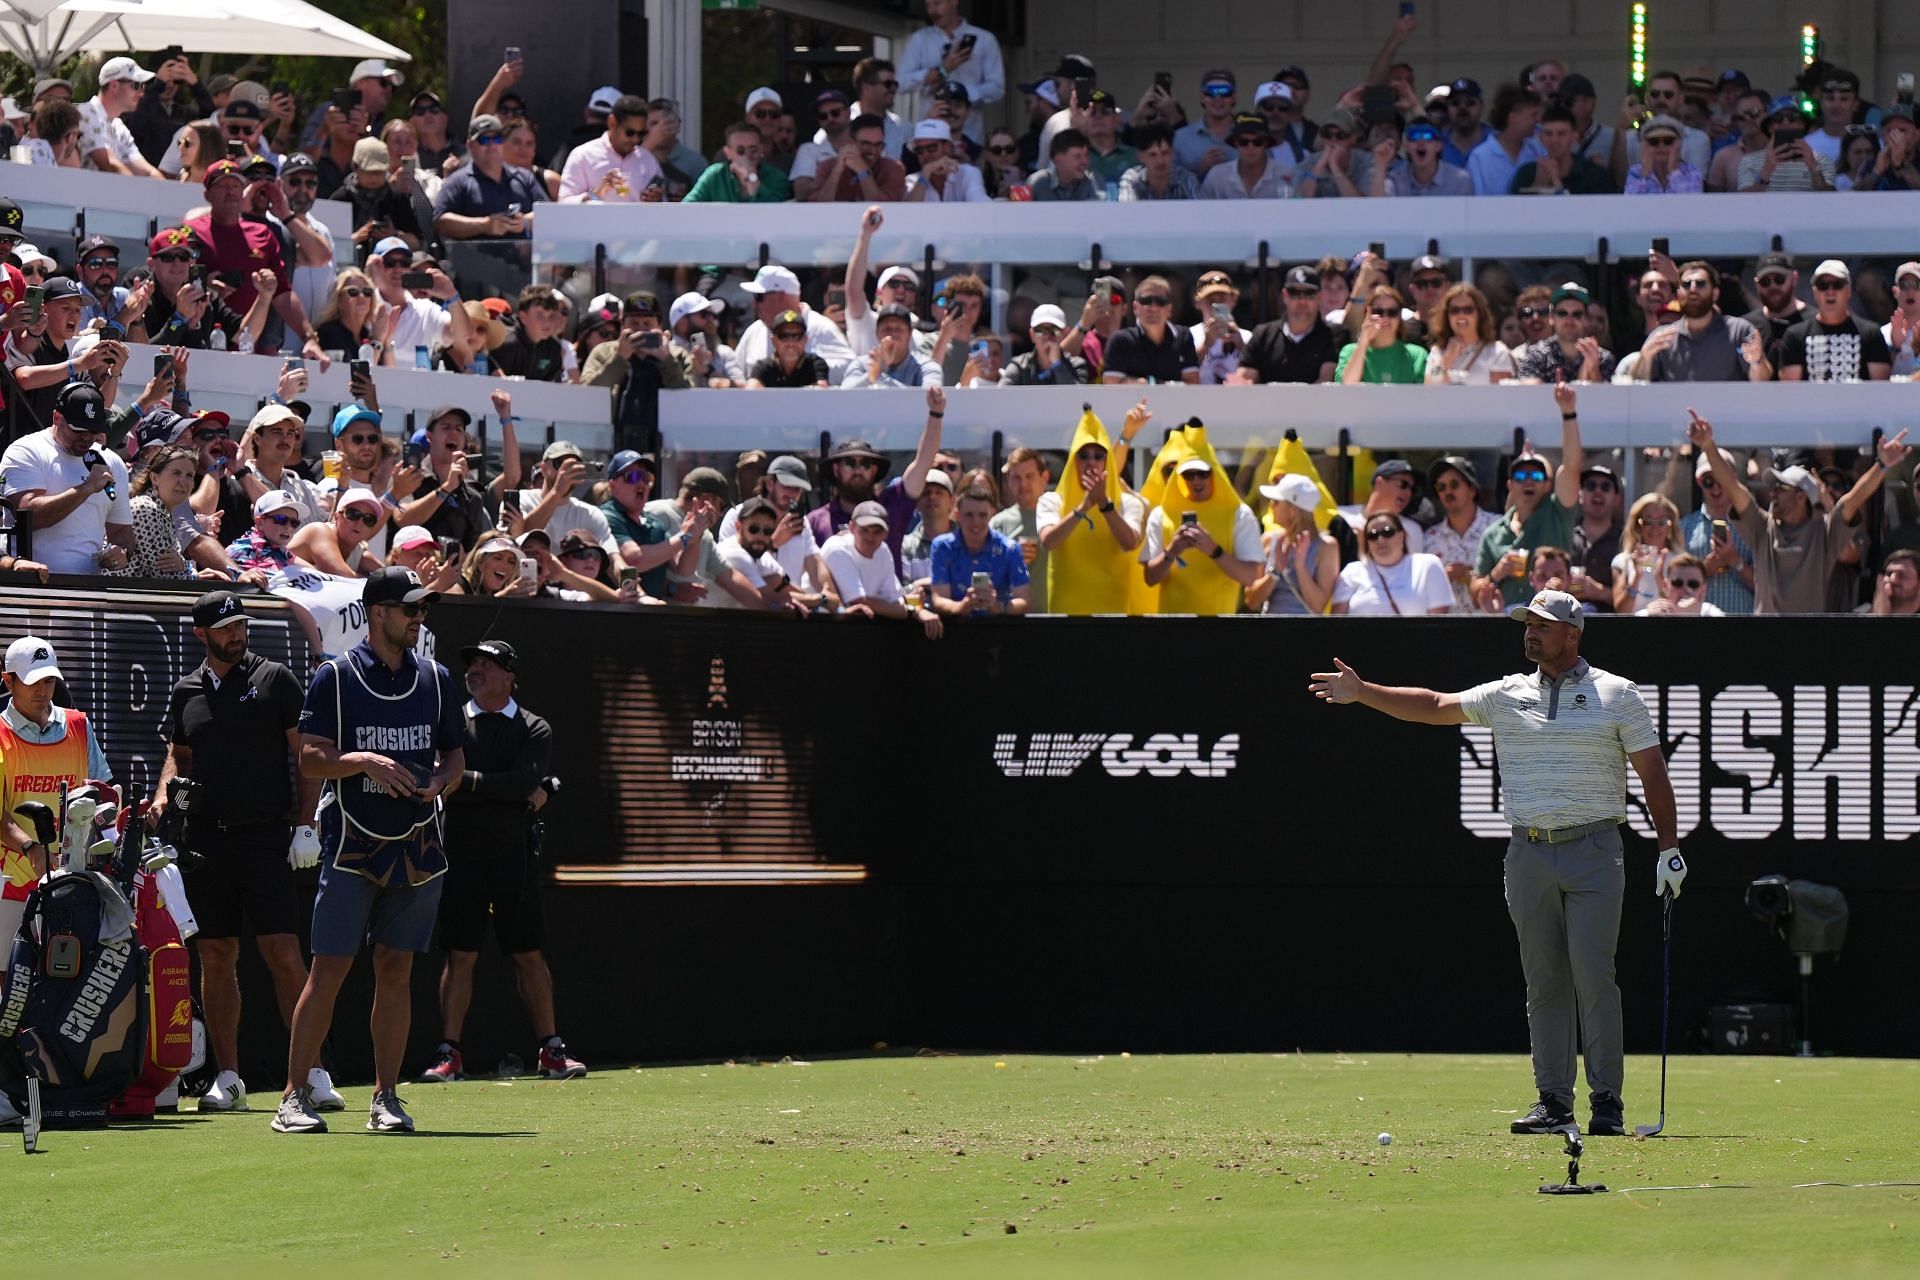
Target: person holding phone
x,y
949,49
237,248
614,168
487,198
173,99
1787,162
379,210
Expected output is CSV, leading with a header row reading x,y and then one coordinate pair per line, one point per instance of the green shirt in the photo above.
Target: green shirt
x,y
1109,167
642,531
1550,525
1401,362
719,186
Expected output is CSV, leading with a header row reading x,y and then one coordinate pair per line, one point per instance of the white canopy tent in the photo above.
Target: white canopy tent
x,y
43,33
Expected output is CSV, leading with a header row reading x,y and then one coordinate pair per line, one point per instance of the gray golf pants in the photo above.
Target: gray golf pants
x,y
1565,903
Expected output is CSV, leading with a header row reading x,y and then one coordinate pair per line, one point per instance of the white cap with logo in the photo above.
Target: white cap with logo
x,y
30,660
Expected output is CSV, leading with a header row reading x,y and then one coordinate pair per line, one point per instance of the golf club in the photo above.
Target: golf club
x,y
1666,993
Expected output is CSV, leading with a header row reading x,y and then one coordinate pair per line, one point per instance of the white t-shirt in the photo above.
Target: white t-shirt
x,y
37,464
1416,537
422,322
1706,610
1488,359
314,285
1246,535
97,133
857,577
757,570
791,555
575,514
1417,584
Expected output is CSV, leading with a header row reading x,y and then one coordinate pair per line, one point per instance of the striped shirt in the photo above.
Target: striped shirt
x,y
1562,744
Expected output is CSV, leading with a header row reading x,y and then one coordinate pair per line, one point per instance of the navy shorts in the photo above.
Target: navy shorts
x,y
351,911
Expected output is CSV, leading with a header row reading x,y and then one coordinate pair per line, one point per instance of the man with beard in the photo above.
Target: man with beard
x,y
97,264
749,553
1775,281
73,487
857,468
1703,345
1896,593
313,268
1569,352
236,247
1833,344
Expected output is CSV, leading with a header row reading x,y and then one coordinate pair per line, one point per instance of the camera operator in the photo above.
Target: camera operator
x,y
493,861
233,725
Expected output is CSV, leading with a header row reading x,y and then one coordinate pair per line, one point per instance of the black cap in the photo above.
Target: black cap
x,y
1727,77
1776,261
1246,124
1101,98
1220,75
394,585
1465,86
891,309
1432,262
11,219
1393,467
82,405
1293,73
1574,85
1597,469
952,91
61,287
1462,466
298,162
1074,66
216,609
1303,278
91,243
498,650
242,109
643,303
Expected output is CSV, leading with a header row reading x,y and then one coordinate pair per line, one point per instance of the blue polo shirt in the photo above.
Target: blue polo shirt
x,y
472,194
1000,558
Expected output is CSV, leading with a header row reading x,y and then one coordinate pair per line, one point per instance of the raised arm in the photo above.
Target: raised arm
x,y
914,478
856,278
1700,433
1421,706
1892,453
1566,482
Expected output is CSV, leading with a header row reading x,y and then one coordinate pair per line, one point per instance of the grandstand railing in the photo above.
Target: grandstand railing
x,y
74,203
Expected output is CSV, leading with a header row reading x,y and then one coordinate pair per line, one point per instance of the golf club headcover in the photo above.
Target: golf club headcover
x,y
99,853
1668,873
77,832
173,896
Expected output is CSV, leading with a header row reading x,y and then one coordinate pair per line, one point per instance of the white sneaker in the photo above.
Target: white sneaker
x,y
296,1114
385,1114
227,1093
325,1096
9,1114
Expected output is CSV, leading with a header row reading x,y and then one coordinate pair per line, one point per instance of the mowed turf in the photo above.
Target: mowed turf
x,y
1108,1165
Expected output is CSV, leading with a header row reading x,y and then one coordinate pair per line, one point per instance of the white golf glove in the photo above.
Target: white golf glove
x,y
1668,873
304,853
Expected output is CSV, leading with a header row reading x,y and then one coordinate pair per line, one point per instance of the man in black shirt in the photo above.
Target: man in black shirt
x,y
232,724
378,210
181,313
1774,280
532,348
451,505
1301,346
1833,344
1152,349
493,861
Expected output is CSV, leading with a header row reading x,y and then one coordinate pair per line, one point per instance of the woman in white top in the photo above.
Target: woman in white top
x,y
1651,537
1302,563
1472,354
1386,580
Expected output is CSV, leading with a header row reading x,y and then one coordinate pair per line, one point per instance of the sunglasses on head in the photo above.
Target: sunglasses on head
x,y
1531,313
577,550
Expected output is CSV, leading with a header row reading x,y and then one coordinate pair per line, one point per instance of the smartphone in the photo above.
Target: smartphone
x,y
514,54
529,569
873,220
1221,311
1083,88
378,229
1378,103
1721,530
345,100
1784,138
171,52
1163,81
449,550
280,87
411,454
978,350
294,362
36,298
699,340
983,582
416,280
359,370
628,574
1189,517
967,40
162,365
1662,247
650,341
1378,249
236,149
510,501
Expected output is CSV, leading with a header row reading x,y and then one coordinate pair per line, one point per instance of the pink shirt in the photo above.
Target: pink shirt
x,y
589,164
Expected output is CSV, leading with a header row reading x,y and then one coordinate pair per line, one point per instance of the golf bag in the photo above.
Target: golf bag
x,y
168,1011
72,1013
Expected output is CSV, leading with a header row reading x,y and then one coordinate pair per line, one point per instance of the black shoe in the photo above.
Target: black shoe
x,y
1609,1117
1547,1116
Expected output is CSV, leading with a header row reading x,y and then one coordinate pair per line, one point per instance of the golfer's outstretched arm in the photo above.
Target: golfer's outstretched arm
x,y
1422,706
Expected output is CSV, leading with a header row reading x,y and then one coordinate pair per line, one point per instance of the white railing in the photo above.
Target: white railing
x,y
1231,232
238,384
124,207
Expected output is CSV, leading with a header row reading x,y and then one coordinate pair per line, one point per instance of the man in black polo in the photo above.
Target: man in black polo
x,y
233,724
492,867
1152,349
1299,346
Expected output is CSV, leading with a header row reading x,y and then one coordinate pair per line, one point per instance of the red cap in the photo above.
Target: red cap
x,y
171,238
222,169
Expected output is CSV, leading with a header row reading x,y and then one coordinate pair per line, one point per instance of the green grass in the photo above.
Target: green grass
x,y
1108,1165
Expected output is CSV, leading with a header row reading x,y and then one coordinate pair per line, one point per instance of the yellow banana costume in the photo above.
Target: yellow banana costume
x,y
1089,572
1202,587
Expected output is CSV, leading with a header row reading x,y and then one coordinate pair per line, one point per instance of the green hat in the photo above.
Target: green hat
x,y
1572,290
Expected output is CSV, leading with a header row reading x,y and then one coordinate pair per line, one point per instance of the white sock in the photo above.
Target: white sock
x,y
229,1080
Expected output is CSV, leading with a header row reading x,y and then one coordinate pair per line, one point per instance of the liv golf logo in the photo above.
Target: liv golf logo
x,y
1161,755
1815,763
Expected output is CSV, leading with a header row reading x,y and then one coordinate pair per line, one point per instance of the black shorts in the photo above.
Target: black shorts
x,y
243,875
501,886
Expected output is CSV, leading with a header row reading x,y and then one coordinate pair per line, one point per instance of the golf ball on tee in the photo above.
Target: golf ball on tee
x,y
1386,1139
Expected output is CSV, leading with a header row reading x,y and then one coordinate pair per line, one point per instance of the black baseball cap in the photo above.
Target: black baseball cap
x,y
1394,467
1463,467
91,243
1774,261
1464,87
891,309
217,609
1303,278
1074,66
952,91
1432,262
242,109
82,405
11,219
298,162
498,650
1293,73
1574,85
61,287
1248,125
394,585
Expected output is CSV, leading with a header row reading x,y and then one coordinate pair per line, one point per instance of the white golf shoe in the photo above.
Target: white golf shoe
x,y
324,1096
227,1093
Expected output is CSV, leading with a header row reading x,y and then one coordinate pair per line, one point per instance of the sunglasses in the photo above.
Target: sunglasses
x,y
173,255
363,439
34,269
1581,314
1706,481
888,84
1688,584
1334,135
1217,90
397,261
1003,149
100,264
1389,312
282,521
489,139
241,130
1156,300
1293,292
204,434
411,610
759,530
830,114
356,291
1422,135
1827,284
1429,282
1772,280
790,335
1526,475
1653,522
1664,140
1696,285
633,135
1258,143
1748,117
1381,532
1533,313
1596,485
427,109
355,514
308,180
1467,310
761,114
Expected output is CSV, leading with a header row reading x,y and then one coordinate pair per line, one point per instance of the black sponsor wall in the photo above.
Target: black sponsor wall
x,y
783,836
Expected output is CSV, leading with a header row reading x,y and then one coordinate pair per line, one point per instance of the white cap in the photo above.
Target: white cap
x,y
937,475
607,302
30,660
1799,478
601,103
1703,464
1833,267
28,252
413,535
1439,93
1047,313
377,69
1276,89
359,496
763,94
123,69
274,500
688,304
932,131
1194,466
773,278
1295,490
891,274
